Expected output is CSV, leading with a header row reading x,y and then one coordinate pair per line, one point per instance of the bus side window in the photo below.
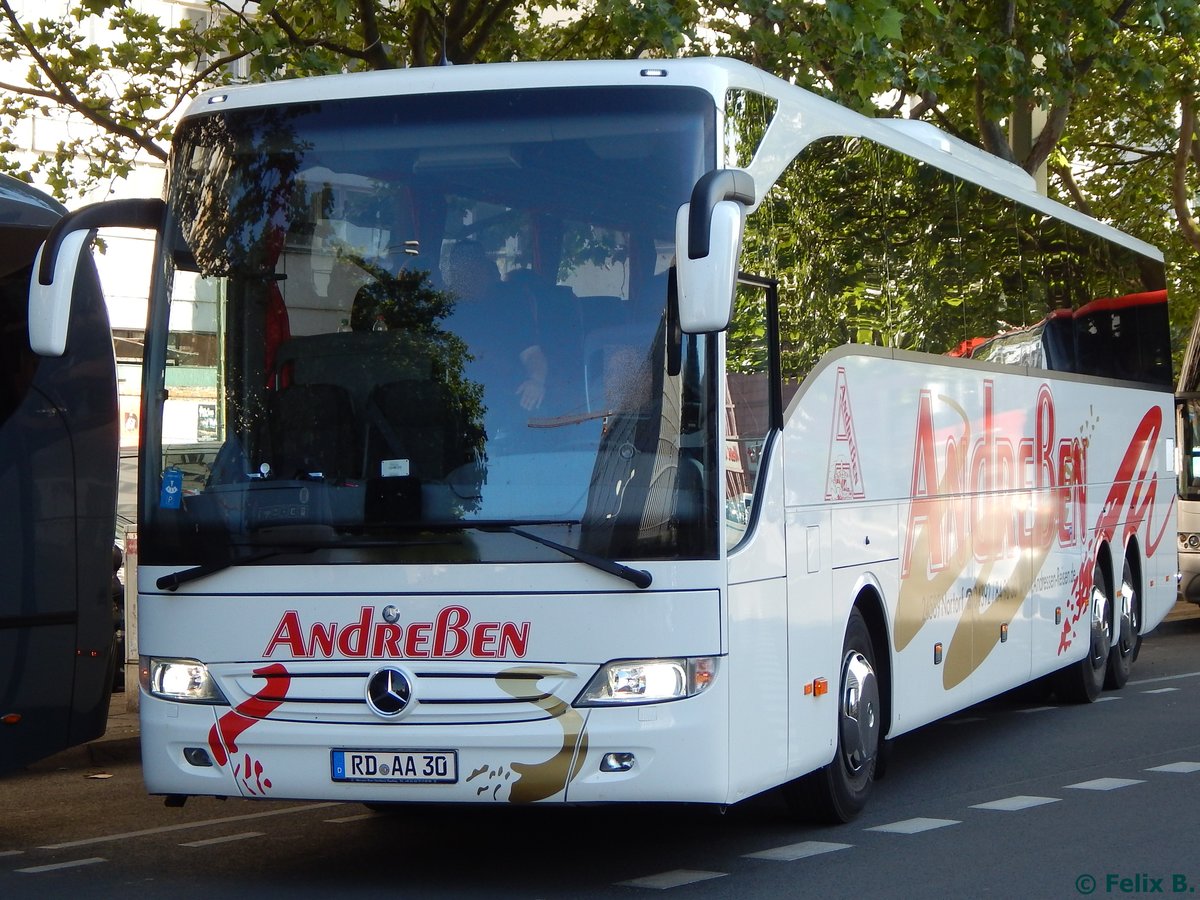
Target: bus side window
x,y
17,361
747,394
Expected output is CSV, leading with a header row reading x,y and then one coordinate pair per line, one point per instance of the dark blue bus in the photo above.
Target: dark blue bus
x,y
58,482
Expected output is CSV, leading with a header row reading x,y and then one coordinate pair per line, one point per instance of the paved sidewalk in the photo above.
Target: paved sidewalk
x,y
1182,611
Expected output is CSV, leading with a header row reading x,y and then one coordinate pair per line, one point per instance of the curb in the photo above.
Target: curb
x,y
98,754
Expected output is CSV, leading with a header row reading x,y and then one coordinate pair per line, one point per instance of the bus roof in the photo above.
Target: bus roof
x,y
24,205
800,118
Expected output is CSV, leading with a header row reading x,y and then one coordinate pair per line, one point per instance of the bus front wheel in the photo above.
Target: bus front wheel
x,y
839,791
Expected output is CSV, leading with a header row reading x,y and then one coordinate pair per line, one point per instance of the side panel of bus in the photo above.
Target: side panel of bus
x,y
982,501
58,457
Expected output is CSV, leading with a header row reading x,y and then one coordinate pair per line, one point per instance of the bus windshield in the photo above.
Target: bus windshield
x,y
383,326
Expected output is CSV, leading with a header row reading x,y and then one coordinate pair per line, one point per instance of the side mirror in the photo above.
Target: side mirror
x,y
57,262
708,243
50,305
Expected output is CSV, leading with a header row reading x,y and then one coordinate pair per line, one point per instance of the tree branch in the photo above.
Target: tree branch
x,y
420,37
299,40
1188,225
376,54
239,14
929,100
483,31
26,90
1063,174
1048,137
65,96
989,129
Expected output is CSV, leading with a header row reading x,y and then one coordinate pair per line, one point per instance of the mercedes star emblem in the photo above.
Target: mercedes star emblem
x,y
388,692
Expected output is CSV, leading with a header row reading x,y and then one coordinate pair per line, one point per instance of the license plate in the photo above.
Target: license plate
x,y
395,766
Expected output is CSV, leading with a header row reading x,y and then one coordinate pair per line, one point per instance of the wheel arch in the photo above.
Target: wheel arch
x,y
1133,554
869,603
1104,558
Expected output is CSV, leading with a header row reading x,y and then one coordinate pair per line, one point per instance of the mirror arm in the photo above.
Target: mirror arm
x,y
711,189
139,213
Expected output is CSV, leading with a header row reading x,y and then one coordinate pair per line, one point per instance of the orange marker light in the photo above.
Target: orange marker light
x,y
10,718
820,687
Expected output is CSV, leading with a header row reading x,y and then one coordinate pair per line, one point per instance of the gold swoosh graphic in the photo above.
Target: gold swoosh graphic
x,y
977,635
537,781
918,588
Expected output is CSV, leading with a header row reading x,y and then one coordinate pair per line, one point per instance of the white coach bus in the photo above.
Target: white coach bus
x,y
520,492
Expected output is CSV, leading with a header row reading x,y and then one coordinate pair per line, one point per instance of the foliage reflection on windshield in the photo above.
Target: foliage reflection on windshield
x,y
458,319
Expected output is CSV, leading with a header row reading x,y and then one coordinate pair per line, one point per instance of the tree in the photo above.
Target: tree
x,y
1116,83
131,81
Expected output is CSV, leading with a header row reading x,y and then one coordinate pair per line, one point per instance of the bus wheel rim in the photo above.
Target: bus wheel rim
x,y
859,713
1101,622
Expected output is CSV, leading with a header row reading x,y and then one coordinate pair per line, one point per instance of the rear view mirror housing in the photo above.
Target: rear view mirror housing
x,y
50,305
708,243
54,269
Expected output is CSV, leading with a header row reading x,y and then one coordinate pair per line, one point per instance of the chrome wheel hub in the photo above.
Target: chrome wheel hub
x,y
859,713
1101,621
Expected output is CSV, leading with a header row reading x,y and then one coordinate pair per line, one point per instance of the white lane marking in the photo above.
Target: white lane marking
x,y
1164,678
75,863
1165,690
1012,804
208,842
1105,784
914,826
1108,697
965,720
801,850
675,878
11,852
183,826
1183,767
357,818
1034,709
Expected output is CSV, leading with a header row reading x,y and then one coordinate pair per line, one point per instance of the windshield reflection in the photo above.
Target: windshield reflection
x,y
413,330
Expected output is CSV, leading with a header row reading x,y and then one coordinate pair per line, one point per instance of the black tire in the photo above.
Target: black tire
x,y
1128,614
839,791
1081,682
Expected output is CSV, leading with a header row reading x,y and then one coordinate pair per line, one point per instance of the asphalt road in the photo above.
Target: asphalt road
x,y
1013,798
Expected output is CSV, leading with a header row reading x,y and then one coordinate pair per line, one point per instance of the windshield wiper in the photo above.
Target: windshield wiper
x,y
280,540
637,577
304,542
173,580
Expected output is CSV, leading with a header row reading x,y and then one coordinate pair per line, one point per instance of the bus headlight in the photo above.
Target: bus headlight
x,y
629,681
1189,541
184,680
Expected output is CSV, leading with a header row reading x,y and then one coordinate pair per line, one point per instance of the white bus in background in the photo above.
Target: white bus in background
x,y
520,492
1187,426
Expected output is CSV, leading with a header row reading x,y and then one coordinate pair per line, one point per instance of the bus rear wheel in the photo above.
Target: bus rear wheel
x,y
1129,641
1082,682
839,791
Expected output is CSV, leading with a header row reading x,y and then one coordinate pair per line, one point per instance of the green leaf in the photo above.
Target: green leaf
x,y
887,26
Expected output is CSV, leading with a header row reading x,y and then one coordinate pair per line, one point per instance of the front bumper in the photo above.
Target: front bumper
x,y
679,751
